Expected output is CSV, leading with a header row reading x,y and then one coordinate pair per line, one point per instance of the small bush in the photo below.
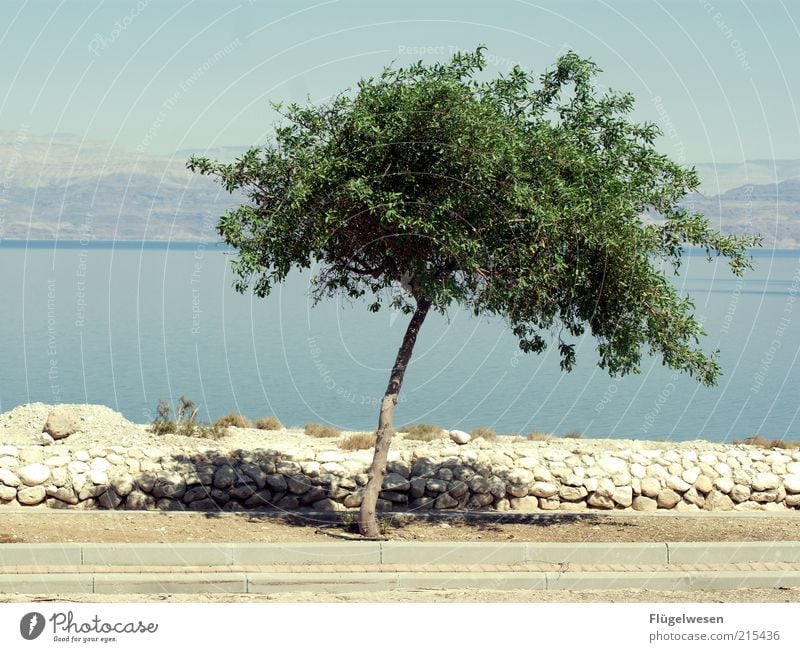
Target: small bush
x,y
422,432
233,419
163,423
358,442
483,433
319,430
574,434
269,423
210,431
539,436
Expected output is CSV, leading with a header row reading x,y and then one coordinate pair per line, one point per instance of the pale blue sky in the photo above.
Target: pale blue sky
x,y
186,74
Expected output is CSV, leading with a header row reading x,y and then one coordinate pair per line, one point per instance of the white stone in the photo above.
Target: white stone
x,y
100,464
722,468
724,484
671,456
8,449
334,468
623,496
651,487
543,489
8,478
591,484
638,471
677,484
82,456
793,468
77,466
34,474
31,495
790,482
766,481
708,458
657,471
612,465
459,437
98,477
605,488
704,484
520,476
691,475
528,462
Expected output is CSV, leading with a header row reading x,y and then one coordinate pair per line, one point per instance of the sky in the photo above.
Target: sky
x,y
159,76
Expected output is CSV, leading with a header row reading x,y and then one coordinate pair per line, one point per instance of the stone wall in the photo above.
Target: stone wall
x,y
528,476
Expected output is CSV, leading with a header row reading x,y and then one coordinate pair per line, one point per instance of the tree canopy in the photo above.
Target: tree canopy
x,y
538,201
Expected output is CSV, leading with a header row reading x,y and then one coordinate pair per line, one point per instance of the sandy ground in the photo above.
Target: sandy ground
x,y
42,525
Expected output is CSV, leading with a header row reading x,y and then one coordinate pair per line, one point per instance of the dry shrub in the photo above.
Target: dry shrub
x,y
483,433
422,432
358,441
321,431
233,419
574,434
760,442
269,423
539,436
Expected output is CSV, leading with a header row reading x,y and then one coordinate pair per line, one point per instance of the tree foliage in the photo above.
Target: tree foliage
x,y
533,200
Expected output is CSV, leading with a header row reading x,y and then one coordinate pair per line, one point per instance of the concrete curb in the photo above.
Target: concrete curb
x,y
392,552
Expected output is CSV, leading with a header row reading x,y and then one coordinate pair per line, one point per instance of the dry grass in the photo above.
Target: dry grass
x,y
269,423
422,432
320,431
574,434
539,436
760,442
483,433
233,419
358,441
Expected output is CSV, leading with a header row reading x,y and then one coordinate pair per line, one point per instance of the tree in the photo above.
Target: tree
x,y
539,202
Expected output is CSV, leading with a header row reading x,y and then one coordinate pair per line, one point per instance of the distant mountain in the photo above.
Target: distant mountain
x,y
68,188
64,187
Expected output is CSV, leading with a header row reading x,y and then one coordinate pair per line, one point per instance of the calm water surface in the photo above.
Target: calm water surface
x,y
126,325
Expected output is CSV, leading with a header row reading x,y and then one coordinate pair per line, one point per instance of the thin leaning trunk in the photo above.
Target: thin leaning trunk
x,y
367,522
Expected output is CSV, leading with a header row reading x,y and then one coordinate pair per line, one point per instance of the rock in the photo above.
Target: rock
x,y
224,477
34,474
479,484
169,484
289,502
517,490
76,466
644,504
591,484
502,505
445,501
353,500
63,495
395,482
276,482
61,423
667,498
109,499
550,504
543,489
417,487
100,464
42,439
623,496
459,437
31,495
242,492
313,495
605,487
395,497
703,484
7,493
436,485
764,496
424,468
98,477
600,501
693,496
327,505
195,493
541,474
638,471
792,468
445,474
260,498
571,493
479,501
9,479
792,500
724,484
612,465
520,476
684,506
298,484
122,483
525,504
139,500
739,493
690,475
766,481
716,501
457,488
790,482
677,484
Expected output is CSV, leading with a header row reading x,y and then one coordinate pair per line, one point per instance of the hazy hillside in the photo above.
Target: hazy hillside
x,y
65,187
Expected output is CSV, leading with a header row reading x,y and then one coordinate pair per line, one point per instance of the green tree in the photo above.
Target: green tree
x,y
535,200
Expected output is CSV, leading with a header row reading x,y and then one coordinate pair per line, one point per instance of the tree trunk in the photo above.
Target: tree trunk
x,y
367,523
